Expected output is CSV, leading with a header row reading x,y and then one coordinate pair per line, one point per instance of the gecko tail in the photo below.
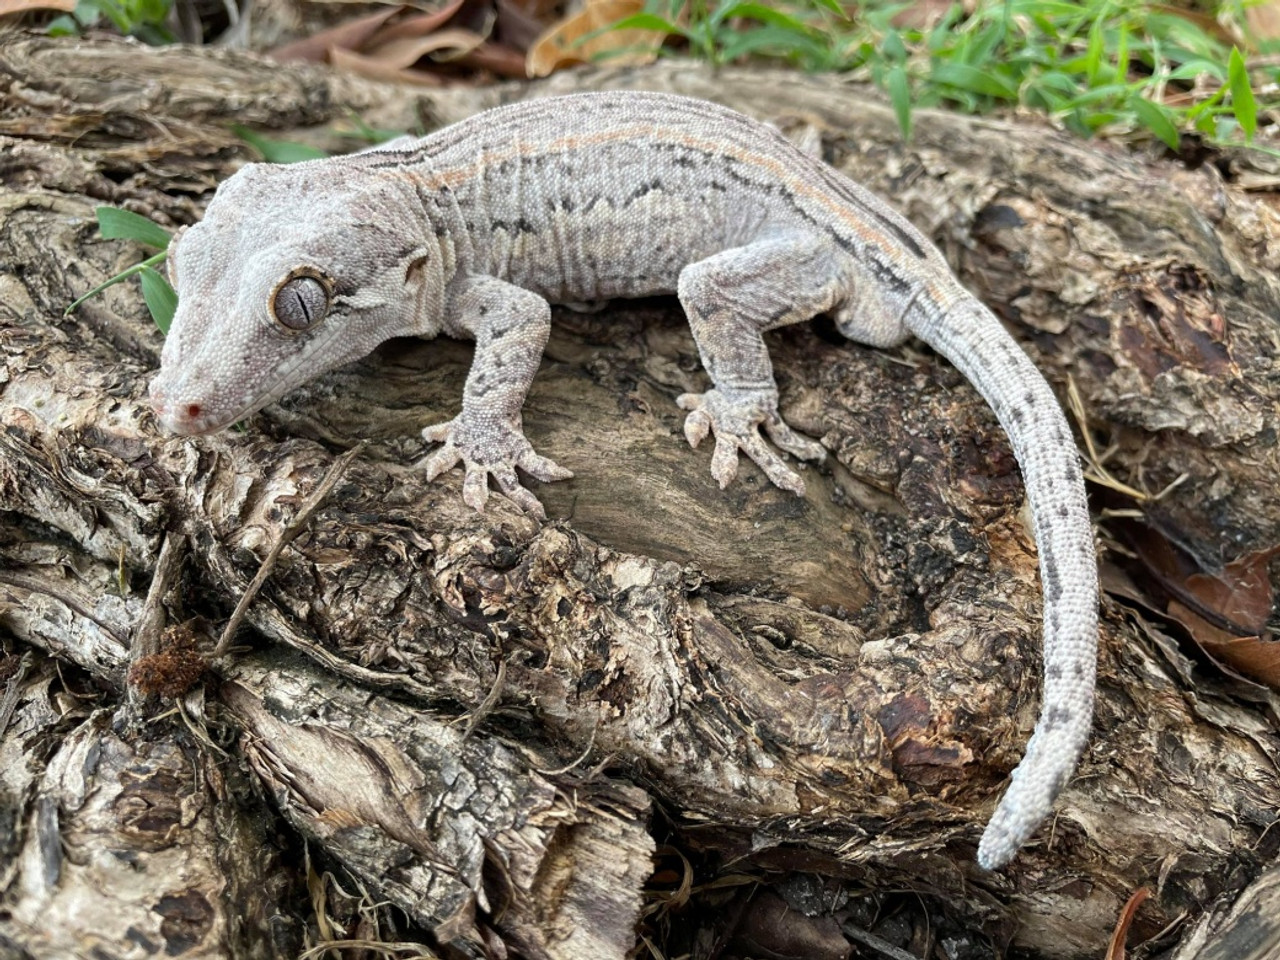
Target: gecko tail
x,y
972,339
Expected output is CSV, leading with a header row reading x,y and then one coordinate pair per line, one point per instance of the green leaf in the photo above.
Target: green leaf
x,y
63,26
117,224
758,11
770,38
981,52
1093,55
1122,55
1053,89
1201,110
648,21
833,6
1193,69
161,299
153,260
966,77
278,151
1242,102
1096,95
900,96
892,48
1156,118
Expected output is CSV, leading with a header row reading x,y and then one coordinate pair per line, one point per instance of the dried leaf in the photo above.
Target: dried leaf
x,y
517,26
1225,613
375,69
1257,658
442,45
423,24
22,6
1243,593
345,36
563,44
496,58
1264,22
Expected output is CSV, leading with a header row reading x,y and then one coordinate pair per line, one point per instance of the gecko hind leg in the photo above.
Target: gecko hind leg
x,y
732,299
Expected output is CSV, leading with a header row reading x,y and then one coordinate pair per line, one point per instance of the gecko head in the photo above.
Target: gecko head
x,y
293,271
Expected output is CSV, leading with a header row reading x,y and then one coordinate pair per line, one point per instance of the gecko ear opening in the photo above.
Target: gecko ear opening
x,y
301,300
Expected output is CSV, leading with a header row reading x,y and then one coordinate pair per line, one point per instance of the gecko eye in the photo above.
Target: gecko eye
x,y
301,300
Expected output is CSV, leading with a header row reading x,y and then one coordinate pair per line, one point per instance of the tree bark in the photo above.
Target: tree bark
x,y
490,724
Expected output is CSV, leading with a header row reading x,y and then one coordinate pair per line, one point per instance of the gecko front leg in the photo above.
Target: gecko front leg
x,y
510,326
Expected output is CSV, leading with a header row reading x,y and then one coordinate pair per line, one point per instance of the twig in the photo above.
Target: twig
x,y
313,502
487,703
146,639
882,947
12,689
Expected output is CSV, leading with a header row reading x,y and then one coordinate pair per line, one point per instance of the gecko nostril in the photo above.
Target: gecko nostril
x,y
193,411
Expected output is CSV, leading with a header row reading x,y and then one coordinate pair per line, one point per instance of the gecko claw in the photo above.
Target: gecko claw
x,y
489,451
736,417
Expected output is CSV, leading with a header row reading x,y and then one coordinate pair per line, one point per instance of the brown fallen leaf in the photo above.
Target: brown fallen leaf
x,y
1230,619
373,68
22,6
345,36
400,45
563,45
1264,22
1225,612
496,58
1243,593
8,7
448,44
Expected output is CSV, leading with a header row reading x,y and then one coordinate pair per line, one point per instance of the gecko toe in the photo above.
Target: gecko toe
x,y
440,461
696,426
475,487
784,438
438,432
724,461
736,419
772,465
542,468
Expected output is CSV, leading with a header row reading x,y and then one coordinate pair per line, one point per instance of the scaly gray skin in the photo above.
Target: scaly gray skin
x,y
474,230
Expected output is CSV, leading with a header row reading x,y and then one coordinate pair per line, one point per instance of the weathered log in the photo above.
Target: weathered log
x,y
470,714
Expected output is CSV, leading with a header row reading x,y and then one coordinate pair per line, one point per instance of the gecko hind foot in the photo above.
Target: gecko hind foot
x,y
495,452
736,418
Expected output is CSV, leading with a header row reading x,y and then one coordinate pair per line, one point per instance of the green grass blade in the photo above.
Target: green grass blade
x,y
758,11
278,151
1156,118
900,96
1242,102
774,39
966,77
117,224
154,260
1122,55
1093,55
161,299
648,21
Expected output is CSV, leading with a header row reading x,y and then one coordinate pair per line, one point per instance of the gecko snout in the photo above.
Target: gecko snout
x,y
179,415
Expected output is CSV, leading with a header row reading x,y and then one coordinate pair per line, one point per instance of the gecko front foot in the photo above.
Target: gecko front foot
x,y
490,450
736,417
